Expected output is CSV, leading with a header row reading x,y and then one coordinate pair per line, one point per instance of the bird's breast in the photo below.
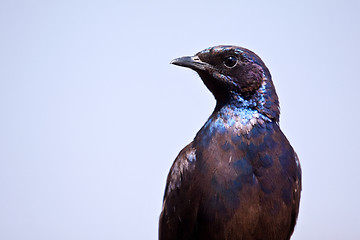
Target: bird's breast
x,y
247,167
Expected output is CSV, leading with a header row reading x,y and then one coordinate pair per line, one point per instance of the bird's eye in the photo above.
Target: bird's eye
x,y
230,61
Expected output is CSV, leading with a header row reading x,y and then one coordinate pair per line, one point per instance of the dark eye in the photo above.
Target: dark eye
x,y
230,61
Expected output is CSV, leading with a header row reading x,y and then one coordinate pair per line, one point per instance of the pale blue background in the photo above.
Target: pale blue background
x,y
93,114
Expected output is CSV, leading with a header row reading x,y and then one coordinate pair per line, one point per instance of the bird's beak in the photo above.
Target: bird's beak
x,y
192,62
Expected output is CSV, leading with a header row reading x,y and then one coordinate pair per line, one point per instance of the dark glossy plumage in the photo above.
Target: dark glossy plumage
x,y
240,178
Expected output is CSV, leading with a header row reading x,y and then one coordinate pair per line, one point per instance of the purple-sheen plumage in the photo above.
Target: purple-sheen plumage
x,y
240,178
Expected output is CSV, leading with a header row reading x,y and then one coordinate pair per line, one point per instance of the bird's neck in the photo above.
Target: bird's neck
x,y
235,117
239,114
263,101
238,119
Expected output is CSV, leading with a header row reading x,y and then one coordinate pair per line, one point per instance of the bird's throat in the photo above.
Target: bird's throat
x,y
239,120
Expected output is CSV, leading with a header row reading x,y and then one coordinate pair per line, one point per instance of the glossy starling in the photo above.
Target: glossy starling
x,y
239,178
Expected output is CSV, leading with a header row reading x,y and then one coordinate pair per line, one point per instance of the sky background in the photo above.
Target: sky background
x,y
93,114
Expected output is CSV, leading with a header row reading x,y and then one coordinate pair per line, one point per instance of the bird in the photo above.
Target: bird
x,y
239,178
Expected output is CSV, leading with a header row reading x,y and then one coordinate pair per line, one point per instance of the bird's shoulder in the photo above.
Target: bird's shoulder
x,y
180,205
183,165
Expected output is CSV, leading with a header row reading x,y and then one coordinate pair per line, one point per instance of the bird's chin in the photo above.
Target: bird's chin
x,y
218,87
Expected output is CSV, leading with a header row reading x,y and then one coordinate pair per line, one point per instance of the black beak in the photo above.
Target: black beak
x,y
193,62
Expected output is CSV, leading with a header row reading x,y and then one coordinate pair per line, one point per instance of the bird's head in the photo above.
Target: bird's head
x,y
235,75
